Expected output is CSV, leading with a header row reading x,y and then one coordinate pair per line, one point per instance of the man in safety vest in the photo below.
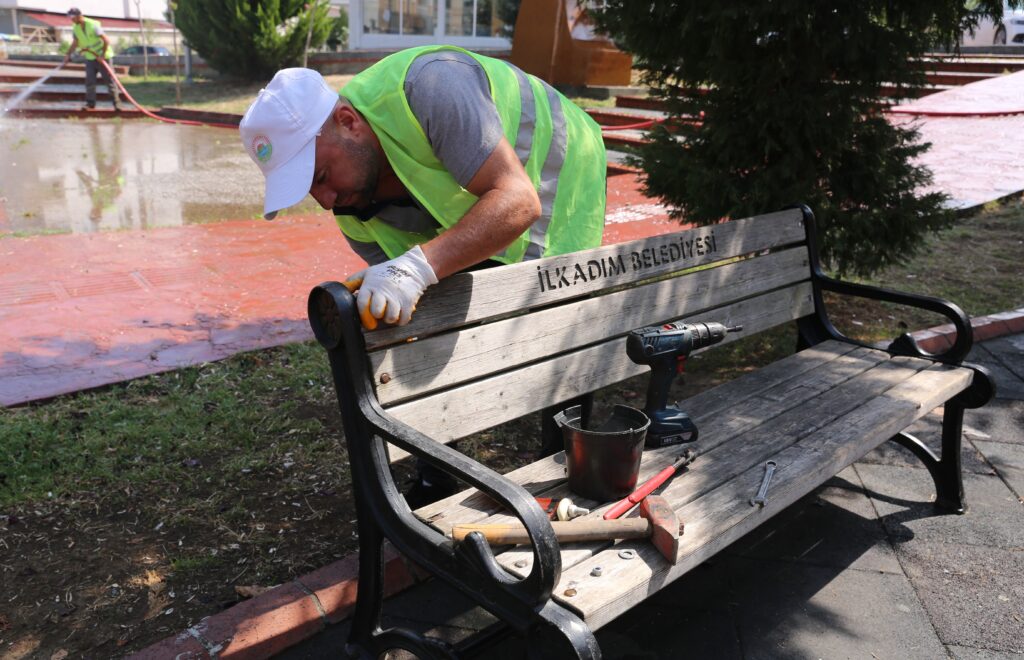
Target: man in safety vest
x,y
90,39
433,160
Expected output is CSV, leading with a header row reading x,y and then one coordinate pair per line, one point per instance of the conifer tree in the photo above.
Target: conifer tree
x,y
787,94
252,38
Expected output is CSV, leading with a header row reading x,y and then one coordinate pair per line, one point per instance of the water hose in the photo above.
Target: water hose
x,y
152,115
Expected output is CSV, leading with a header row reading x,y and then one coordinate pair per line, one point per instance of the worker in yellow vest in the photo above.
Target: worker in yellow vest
x,y
434,160
94,45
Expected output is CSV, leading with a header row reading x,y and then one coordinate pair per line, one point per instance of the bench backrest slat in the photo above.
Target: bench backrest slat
x,y
474,297
418,368
481,404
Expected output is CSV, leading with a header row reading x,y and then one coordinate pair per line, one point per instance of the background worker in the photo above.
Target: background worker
x,y
90,39
434,160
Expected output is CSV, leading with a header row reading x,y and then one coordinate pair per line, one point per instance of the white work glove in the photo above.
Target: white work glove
x,y
390,290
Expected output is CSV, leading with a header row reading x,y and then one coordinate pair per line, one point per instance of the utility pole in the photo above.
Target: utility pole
x,y
177,76
311,6
145,49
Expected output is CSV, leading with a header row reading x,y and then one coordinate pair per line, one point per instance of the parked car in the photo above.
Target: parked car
x,y
151,50
1009,30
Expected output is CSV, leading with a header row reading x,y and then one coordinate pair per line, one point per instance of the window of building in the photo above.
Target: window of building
x,y
406,17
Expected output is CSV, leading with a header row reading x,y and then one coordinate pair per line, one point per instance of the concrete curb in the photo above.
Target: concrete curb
x,y
284,616
292,612
940,338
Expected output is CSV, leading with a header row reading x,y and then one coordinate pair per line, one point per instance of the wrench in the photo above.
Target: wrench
x,y
762,494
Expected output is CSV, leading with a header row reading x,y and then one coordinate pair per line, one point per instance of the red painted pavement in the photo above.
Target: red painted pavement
x,y
84,310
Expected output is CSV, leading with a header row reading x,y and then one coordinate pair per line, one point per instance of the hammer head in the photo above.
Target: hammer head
x,y
665,526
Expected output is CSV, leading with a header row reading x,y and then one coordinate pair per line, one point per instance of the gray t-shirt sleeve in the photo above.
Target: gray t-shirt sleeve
x,y
450,96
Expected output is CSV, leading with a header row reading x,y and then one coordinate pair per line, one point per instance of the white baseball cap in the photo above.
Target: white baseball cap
x,y
279,133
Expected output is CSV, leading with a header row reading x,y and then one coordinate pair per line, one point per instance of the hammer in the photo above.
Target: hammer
x,y
657,521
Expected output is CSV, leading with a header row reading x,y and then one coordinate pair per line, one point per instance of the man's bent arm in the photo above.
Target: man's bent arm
x,y
508,204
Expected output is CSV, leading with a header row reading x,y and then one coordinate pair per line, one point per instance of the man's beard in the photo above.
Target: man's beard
x,y
368,163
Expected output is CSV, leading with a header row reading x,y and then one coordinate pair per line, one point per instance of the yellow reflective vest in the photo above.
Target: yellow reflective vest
x,y
559,145
88,41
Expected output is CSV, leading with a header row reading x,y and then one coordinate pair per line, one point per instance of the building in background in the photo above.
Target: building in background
x,y
395,24
38,21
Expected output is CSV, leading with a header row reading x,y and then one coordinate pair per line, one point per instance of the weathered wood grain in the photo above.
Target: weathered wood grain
x,y
547,473
471,297
724,514
413,369
730,451
482,404
748,414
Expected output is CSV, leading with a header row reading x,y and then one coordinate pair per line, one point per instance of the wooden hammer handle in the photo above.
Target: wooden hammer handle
x,y
568,531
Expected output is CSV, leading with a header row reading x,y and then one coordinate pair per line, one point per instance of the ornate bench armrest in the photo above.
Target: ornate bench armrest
x,y
905,344
333,315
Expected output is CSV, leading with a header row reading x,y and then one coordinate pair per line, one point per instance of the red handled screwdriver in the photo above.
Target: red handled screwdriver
x,y
647,487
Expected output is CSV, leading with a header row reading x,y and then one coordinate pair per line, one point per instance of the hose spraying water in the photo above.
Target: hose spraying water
x,y
25,93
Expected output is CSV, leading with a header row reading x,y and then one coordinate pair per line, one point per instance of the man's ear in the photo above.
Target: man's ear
x,y
348,121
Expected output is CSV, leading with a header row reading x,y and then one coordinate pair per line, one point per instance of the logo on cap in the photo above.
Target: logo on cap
x,y
262,148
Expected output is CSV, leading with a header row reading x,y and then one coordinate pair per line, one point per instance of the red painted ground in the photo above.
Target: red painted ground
x,y
84,310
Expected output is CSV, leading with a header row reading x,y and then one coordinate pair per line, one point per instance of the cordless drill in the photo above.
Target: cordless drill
x,y
665,348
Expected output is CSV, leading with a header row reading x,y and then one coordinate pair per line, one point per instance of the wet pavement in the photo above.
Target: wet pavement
x,y
84,177
974,159
133,247
130,248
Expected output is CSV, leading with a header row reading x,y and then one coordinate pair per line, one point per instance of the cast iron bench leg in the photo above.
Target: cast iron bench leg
x,y
947,470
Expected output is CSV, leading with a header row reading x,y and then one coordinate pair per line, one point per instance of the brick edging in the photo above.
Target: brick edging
x,y
291,612
939,338
284,616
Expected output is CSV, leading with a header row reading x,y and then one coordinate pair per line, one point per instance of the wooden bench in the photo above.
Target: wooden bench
x,y
494,345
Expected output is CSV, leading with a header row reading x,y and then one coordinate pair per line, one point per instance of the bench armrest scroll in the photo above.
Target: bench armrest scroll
x,y
334,319
905,344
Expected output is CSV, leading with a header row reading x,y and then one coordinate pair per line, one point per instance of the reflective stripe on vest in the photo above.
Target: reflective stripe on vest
x,y
558,144
88,41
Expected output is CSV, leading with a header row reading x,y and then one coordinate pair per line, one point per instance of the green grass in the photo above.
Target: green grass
x,y
212,94
225,94
976,264
199,428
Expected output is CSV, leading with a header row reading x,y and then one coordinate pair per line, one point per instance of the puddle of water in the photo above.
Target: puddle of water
x,y
61,176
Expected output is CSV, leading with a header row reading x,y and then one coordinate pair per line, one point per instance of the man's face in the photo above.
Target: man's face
x,y
346,169
76,18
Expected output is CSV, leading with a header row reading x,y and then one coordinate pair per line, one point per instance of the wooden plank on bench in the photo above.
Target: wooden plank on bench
x,y
753,394
734,444
416,368
540,476
725,514
516,393
471,297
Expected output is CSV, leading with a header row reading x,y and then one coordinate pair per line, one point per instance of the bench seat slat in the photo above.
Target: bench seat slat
x,y
516,393
754,394
471,297
731,453
416,368
724,515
